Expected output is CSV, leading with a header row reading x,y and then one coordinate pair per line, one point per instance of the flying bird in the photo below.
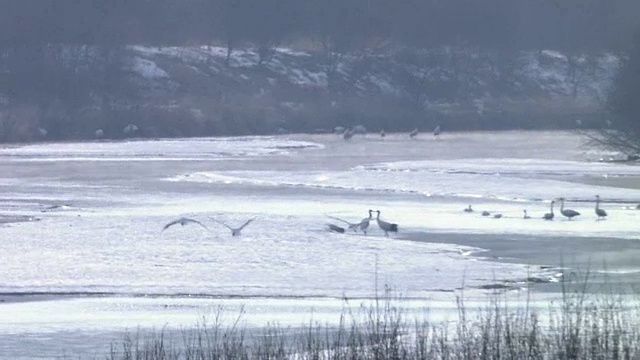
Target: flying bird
x,y
235,231
386,226
414,133
183,221
351,226
549,215
600,212
469,209
570,214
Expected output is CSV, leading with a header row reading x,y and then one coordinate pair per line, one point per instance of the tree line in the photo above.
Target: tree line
x,y
339,25
58,56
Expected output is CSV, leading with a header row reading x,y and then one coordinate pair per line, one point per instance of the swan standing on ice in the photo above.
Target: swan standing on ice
x,y
525,215
385,226
469,209
600,212
234,231
570,214
351,225
549,215
183,221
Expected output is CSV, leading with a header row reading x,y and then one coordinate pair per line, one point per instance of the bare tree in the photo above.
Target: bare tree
x,y
622,132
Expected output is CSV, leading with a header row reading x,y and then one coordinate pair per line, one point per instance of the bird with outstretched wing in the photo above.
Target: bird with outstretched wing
x,y
234,231
183,221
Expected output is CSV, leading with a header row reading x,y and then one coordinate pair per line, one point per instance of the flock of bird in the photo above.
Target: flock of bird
x,y
568,213
388,227
363,225
348,133
185,221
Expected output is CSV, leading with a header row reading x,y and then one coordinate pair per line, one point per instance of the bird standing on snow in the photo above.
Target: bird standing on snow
x,y
525,215
549,215
469,209
486,213
183,221
235,231
382,133
497,216
348,134
385,226
414,133
437,131
570,214
364,224
600,212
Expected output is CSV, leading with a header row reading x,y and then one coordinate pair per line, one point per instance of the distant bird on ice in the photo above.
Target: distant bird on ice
x,y
525,215
549,215
364,223
413,133
600,212
437,131
351,225
570,214
468,209
348,134
386,226
235,231
486,213
183,221
497,216
335,228
382,133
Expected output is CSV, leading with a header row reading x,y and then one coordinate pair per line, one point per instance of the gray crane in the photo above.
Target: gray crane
x,y
183,221
549,215
385,226
235,231
600,212
364,223
569,213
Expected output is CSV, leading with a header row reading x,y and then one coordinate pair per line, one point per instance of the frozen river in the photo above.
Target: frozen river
x,y
83,257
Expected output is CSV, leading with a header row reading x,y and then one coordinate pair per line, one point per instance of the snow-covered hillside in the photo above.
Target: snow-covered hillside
x,y
194,91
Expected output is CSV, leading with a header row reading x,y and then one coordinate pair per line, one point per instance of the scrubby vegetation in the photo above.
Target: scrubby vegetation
x,y
580,326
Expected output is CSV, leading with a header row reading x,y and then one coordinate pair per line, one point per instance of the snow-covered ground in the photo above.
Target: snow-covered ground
x,y
107,239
